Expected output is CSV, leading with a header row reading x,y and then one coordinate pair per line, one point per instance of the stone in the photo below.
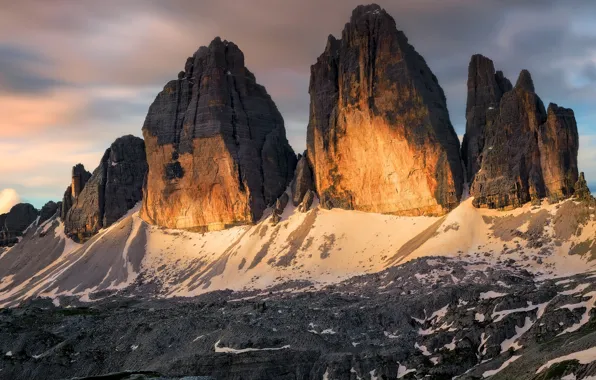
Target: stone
x,y
113,189
79,178
302,181
485,89
582,191
379,138
514,149
558,142
47,211
15,222
216,145
307,201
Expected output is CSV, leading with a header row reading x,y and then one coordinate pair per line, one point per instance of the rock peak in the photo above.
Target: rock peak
x,y
216,145
370,9
375,93
525,81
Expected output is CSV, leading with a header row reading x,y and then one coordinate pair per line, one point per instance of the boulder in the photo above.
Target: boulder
x,y
309,197
113,189
216,145
379,137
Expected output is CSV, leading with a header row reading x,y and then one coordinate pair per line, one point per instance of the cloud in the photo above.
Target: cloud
x,y
8,198
86,72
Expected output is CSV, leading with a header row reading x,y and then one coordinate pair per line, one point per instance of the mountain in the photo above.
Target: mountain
x,y
216,145
379,137
209,250
319,292
514,149
114,187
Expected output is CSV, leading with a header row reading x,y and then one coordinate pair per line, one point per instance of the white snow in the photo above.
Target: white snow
x,y
9,353
482,347
328,331
403,371
578,289
479,317
134,347
229,350
491,294
519,332
502,367
587,305
499,315
583,357
451,346
422,349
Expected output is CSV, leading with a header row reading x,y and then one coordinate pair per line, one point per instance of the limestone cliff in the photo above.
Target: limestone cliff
x,y
216,145
514,149
379,137
114,188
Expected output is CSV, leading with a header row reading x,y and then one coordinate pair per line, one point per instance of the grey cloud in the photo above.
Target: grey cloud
x,y
17,74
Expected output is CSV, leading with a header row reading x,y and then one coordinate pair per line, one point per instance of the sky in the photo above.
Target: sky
x,y
77,74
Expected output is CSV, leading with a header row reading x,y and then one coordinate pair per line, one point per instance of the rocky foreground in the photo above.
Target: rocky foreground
x,y
436,318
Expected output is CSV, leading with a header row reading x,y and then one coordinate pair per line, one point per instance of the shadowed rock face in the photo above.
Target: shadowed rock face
x,y
379,137
47,211
302,182
79,176
485,89
216,145
113,189
515,151
13,223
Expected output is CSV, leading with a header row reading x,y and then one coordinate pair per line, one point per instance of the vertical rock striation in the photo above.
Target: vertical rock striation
x,y
79,177
113,189
379,137
216,145
514,149
485,89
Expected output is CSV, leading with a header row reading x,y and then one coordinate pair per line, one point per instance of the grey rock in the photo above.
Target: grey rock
x,y
79,178
485,89
303,180
113,189
48,210
307,200
15,222
437,317
216,145
515,150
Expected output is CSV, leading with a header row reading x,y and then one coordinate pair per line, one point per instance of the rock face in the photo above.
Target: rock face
x,y
485,89
80,176
47,211
216,145
515,150
379,137
113,189
13,223
303,180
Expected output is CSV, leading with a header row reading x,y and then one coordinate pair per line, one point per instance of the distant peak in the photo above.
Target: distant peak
x,y
371,9
525,81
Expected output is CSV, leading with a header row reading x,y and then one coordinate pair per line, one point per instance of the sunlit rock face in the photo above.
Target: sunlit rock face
x,y
515,150
79,176
113,189
379,137
216,145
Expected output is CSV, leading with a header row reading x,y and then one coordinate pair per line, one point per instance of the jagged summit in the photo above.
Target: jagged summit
x,y
216,145
379,137
525,81
514,149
